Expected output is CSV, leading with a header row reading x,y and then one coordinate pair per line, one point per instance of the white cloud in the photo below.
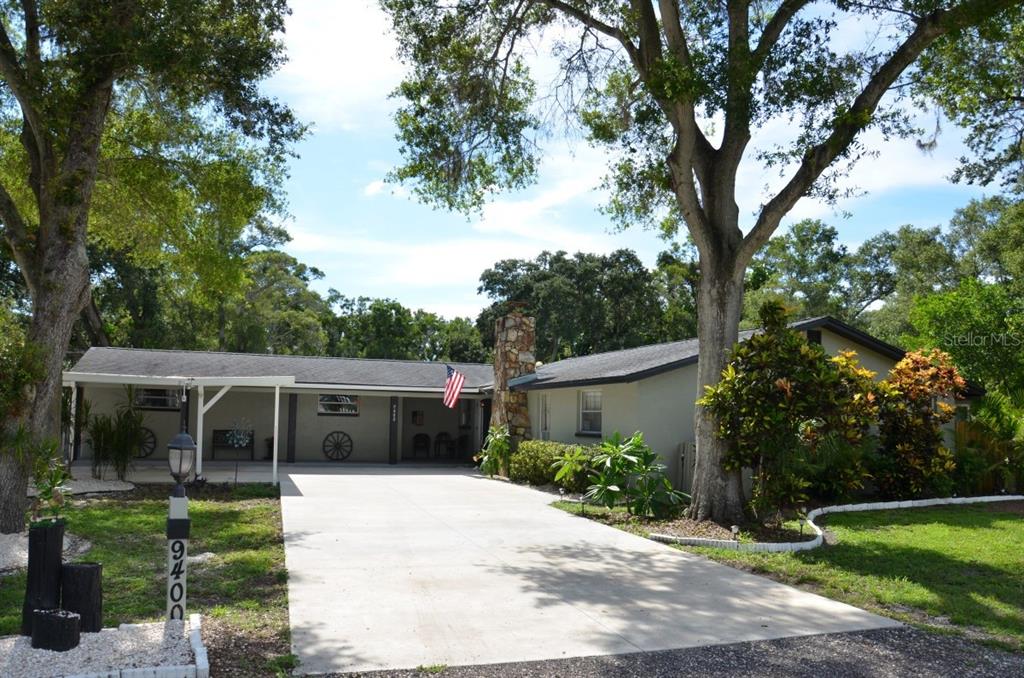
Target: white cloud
x,y
341,64
380,186
442,274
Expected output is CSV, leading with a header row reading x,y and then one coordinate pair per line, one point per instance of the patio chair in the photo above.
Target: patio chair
x,y
420,443
444,444
462,447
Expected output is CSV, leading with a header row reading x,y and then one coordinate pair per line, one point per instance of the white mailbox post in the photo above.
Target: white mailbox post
x,y
177,557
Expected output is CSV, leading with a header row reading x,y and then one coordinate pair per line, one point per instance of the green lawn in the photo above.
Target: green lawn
x,y
953,569
242,591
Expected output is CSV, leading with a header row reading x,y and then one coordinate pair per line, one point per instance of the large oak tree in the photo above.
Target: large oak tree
x,y
66,66
675,91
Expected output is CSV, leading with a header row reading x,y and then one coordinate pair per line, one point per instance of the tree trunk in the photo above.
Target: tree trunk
x,y
717,493
60,291
14,483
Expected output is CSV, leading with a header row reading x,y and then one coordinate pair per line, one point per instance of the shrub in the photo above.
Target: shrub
x,y
778,398
534,461
115,440
494,457
50,478
912,459
628,472
573,468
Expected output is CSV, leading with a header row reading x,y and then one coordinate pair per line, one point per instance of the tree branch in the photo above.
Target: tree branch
x,y
17,80
597,25
650,36
93,322
773,29
12,224
848,124
32,59
672,25
14,230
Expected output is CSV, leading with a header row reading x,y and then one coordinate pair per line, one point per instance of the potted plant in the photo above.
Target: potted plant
x,y
45,535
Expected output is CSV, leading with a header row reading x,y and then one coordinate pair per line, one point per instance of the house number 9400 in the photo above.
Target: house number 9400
x,y
177,551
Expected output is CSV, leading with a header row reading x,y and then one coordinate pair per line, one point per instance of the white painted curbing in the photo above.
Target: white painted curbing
x,y
195,636
818,540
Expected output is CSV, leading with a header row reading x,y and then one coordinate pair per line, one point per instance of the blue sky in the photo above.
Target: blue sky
x,y
375,240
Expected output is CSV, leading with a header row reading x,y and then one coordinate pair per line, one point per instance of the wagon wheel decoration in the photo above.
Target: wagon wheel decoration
x,y
337,446
147,443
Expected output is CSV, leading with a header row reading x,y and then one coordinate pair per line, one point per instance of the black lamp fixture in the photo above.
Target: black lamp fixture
x,y
181,455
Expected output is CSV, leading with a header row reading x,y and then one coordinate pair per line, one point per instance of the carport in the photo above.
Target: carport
x,y
184,384
308,409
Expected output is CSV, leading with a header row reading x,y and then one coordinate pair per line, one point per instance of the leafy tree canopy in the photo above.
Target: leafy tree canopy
x,y
976,76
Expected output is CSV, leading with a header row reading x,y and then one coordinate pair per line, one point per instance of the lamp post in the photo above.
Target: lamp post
x,y
181,454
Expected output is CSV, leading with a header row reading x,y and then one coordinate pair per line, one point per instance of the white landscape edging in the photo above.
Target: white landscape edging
x,y
782,547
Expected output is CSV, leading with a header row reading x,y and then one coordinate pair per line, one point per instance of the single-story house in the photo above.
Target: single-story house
x,y
653,389
305,409
292,408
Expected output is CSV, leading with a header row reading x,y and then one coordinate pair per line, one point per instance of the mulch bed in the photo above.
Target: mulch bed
x,y
705,529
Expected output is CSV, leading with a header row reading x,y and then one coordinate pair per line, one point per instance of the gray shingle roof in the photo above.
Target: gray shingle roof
x,y
627,364
312,370
632,364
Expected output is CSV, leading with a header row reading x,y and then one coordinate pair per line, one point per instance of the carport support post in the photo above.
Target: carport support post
x,y
200,411
277,417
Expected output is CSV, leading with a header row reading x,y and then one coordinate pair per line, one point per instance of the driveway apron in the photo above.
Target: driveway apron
x,y
400,567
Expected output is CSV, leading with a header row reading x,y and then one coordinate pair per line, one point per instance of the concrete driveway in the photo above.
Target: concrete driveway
x,y
393,567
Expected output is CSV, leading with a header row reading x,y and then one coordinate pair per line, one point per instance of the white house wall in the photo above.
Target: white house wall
x,y
876,362
369,430
618,412
106,399
666,407
661,406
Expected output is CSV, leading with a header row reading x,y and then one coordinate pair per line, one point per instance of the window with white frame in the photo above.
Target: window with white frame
x,y
157,399
333,404
590,412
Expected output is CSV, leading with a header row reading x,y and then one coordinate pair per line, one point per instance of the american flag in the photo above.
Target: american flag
x,y
453,386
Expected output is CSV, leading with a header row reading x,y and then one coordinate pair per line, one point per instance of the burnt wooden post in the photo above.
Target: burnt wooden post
x,y
55,630
82,592
42,588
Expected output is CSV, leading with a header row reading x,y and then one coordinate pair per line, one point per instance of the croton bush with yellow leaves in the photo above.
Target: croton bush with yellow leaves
x,y
914,399
802,420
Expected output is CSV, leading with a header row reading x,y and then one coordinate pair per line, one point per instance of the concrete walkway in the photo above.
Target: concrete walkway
x,y
393,567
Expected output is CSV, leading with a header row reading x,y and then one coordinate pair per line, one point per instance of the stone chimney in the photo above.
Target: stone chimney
x,y
515,340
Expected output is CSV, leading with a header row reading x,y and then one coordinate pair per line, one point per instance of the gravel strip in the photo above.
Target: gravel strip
x,y
887,653
14,550
92,486
130,646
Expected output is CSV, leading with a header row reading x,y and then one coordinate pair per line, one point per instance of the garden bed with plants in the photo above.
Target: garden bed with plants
x,y
240,589
681,526
811,429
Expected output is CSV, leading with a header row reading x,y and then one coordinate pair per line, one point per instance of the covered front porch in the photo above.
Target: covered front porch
x,y
245,427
